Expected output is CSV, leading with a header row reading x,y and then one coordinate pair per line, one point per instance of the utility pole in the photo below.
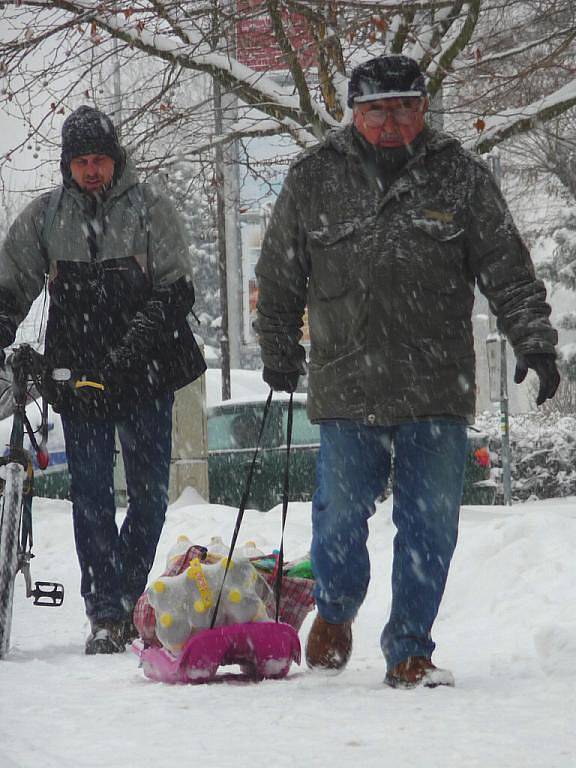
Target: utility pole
x,y
117,84
498,359
228,204
222,260
231,179
232,201
436,111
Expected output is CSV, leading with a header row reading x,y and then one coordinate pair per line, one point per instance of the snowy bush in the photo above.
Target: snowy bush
x,y
543,453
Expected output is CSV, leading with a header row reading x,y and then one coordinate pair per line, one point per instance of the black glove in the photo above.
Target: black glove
x,y
281,381
544,364
2,358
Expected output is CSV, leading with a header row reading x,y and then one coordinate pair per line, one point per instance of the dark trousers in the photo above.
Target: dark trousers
x,y
114,563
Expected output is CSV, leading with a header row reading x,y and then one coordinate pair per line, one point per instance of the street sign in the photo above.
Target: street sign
x,y
493,354
256,43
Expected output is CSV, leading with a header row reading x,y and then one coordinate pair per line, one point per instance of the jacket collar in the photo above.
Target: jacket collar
x,y
414,173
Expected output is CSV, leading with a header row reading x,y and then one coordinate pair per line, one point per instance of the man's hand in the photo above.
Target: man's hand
x,y
117,364
281,381
545,366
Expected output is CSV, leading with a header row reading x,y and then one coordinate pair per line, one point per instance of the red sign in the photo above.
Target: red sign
x,y
256,44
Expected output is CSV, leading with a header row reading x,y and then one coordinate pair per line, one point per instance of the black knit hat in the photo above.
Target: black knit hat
x,y
87,131
385,77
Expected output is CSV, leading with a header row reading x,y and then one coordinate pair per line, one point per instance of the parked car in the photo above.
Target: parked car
x,y
54,481
233,429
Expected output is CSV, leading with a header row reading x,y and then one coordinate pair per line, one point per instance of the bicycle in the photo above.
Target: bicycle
x,y
28,367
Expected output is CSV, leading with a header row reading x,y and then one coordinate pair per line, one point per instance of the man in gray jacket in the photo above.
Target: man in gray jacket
x,y
382,232
117,264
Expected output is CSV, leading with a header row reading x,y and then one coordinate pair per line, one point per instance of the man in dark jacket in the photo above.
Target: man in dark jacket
x,y
383,231
120,291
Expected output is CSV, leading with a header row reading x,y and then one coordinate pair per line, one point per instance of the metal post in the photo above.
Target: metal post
x,y
436,112
505,424
228,205
117,112
222,260
226,257
231,179
494,162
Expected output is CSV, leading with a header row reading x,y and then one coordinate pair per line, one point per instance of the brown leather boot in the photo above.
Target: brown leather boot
x,y
418,670
329,645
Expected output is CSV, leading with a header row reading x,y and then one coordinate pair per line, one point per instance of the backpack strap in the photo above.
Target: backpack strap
x,y
137,200
51,211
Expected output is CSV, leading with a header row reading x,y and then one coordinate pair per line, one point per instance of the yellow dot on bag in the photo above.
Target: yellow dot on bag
x,y
200,606
235,596
166,620
182,538
159,586
227,562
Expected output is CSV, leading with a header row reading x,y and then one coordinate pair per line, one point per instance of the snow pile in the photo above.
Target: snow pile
x,y
556,647
505,629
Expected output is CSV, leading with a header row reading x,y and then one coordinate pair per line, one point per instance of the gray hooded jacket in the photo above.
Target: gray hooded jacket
x,y
119,281
388,279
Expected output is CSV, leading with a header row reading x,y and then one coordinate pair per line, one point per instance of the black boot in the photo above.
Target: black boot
x,y
129,632
105,637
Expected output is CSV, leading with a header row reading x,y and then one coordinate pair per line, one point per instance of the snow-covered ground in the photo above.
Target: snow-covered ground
x,y
507,630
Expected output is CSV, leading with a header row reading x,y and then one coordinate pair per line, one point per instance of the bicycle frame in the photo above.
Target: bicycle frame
x,y
16,507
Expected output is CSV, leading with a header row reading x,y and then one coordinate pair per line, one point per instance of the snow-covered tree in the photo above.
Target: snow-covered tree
x,y
496,70
498,47
543,450
560,272
189,188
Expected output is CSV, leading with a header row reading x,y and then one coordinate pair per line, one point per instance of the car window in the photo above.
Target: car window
x,y
219,436
239,429
303,431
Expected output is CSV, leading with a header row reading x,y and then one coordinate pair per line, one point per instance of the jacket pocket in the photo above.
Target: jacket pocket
x,y
439,256
335,308
330,258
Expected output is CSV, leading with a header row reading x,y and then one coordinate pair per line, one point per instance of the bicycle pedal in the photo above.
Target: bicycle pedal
x,y
48,593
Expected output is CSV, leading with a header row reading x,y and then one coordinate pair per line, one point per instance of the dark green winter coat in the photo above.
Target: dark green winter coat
x,y
120,290
388,279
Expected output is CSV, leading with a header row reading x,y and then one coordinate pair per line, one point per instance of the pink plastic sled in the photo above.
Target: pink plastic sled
x,y
262,650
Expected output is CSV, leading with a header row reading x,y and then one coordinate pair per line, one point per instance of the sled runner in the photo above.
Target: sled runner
x,y
262,649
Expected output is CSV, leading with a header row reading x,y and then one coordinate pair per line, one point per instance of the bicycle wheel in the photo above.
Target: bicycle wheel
x,y
10,515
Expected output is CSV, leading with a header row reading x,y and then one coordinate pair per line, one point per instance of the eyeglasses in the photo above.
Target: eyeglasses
x,y
402,113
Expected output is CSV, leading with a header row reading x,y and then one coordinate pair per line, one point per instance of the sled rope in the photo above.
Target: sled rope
x,y
244,501
285,490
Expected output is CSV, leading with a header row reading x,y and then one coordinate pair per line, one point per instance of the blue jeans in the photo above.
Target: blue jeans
x,y
353,469
115,564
